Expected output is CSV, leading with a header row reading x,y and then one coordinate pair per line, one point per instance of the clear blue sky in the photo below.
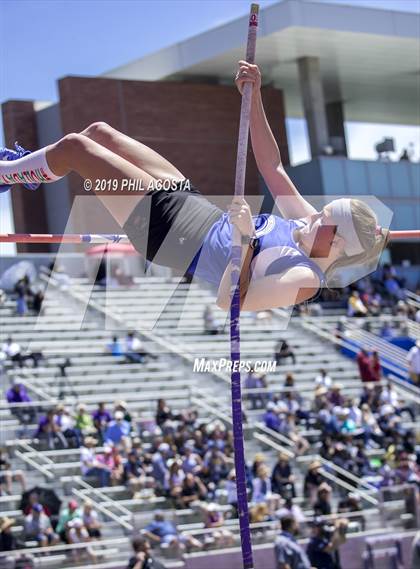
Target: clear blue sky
x,y
43,40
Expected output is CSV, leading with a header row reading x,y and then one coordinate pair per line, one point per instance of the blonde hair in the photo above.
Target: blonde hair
x,y
373,241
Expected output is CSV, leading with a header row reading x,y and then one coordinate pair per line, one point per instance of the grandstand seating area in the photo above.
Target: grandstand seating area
x,y
78,322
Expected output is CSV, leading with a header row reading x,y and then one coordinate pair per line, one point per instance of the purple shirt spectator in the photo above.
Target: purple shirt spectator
x,y
17,394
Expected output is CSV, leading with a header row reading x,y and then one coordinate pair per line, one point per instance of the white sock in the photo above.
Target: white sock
x,y
30,169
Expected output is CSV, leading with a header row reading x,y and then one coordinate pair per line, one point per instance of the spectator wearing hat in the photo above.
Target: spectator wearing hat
x,y
91,520
37,527
67,515
121,405
322,506
90,465
66,424
313,479
282,479
261,489
118,431
289,554
8,541
142,558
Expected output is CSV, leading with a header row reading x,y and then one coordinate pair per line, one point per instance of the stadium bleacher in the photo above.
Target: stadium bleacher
x,y
172,334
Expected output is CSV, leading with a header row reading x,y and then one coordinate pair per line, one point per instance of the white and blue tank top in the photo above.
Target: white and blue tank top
x,y
276,252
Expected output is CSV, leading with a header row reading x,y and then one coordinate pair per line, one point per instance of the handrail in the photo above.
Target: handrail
x,y
34,464
276,446
106,512
102,495
211,409
275,434
171,347
69,546
336,480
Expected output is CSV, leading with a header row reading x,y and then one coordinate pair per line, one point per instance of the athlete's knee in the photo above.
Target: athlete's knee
x,y
98,130
71,145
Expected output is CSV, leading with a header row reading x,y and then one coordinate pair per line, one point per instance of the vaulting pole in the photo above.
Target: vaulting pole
x,y
235,305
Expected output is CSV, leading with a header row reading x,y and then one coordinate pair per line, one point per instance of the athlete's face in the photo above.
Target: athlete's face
x,y
321,234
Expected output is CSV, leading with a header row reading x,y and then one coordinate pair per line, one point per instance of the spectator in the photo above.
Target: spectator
x,y
77,533
355,306
232,496
113,463
90,465
49,430
22,290
211,325
118,431
12,350
91,520
163,532
291,509
282,479
313,479
83,421
142,558
252,381
282,351
122,406
163,413
214,519
17,394
261,489
271,417
160,471
364,364
413,360
114,347
192,461
193,490
37,527
134,351
322,506
134,475
7,475
66,425
289,554
101,417
67,515
8,541
387,332
323,379
323,546
375,367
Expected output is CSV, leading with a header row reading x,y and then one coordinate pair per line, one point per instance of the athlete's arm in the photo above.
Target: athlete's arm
x,y
274,291
267,153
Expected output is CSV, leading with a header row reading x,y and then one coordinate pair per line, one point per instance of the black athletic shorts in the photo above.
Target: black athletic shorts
x,y
168,227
